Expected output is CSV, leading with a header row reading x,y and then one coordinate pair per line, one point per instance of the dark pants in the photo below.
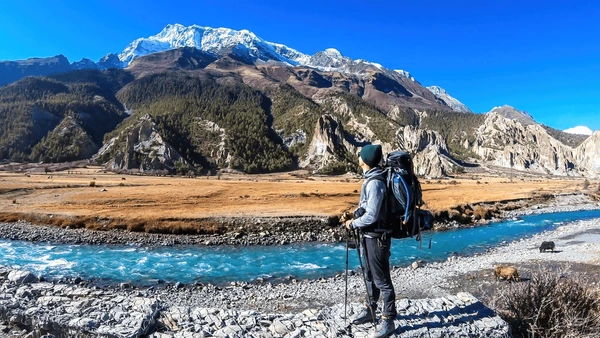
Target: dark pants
x,y
378,277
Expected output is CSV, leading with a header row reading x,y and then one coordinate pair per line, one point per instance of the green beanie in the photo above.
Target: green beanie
x,y
371,155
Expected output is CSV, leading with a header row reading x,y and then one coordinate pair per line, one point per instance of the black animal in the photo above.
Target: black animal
x,y
547,246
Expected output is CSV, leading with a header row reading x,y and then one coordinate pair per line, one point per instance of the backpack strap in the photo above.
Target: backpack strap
x,y
385,199
408,201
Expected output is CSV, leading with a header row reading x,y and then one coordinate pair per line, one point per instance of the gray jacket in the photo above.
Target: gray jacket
x,y
372,196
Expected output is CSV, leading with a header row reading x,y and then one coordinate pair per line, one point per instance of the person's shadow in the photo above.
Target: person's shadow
x,y
459,315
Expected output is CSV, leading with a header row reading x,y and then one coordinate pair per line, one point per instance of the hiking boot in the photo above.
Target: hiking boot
x,y
365,316
385,328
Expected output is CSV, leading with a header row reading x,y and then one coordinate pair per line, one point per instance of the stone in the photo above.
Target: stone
x,y
21,277
466,298
417,264
4,329
278,328
83,323
230,331
16,319
159,335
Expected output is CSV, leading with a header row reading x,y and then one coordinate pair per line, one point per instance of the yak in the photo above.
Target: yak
x,y
547,246
508,273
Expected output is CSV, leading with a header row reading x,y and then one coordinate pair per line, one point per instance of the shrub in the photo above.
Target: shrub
x,y
481,213
550,305
586,184
92,183
136,226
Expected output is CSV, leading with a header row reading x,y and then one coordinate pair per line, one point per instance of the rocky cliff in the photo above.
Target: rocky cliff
x,y
587,155
140,146
508,143
328,146
430,152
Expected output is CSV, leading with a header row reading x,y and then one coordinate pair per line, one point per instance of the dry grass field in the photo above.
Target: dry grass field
x,y
164,198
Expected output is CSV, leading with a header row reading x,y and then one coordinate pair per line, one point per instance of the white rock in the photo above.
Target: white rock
x,y
21,277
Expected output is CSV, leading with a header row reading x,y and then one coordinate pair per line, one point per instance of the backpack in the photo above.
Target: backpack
x,y
403,199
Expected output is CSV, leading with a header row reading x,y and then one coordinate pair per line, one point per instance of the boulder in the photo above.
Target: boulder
x,y
21,277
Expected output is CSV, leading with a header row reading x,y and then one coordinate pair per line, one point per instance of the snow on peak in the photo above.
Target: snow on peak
x,y
453,103
212,40
333,52
374,64
243,43
579,130
437,90
404,73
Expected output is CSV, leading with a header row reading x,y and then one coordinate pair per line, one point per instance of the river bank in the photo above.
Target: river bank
x,y
271,230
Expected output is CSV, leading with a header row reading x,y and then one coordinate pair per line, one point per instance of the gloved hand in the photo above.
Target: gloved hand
x,y
348,224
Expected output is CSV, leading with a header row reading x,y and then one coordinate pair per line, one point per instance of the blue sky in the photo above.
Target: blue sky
x,y
538,56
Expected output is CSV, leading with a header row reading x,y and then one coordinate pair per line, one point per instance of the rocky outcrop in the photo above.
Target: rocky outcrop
x,y
297,137
514,114
328,144
431,157
216,150
140,146
508,143
587,155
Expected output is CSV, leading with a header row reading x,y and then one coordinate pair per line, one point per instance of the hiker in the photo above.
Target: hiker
x,y
375,246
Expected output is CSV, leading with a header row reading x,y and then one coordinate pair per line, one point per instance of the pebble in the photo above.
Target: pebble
x,y
285,230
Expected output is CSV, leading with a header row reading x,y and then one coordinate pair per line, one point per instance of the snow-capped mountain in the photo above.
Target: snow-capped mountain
x,y
450,101
579,130
245,44
212,40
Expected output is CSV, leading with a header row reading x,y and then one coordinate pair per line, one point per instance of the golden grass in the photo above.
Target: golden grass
x,y
184,205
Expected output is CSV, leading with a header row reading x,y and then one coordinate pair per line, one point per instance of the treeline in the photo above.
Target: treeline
x,y
293,111
68,142
571,140
455,128
33,107
384,127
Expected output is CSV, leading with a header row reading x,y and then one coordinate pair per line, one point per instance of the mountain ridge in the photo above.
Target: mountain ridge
x,y
258,106
452,102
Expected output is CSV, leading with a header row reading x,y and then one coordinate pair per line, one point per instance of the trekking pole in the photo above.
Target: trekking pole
x,y
357,239
346,282
430,239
